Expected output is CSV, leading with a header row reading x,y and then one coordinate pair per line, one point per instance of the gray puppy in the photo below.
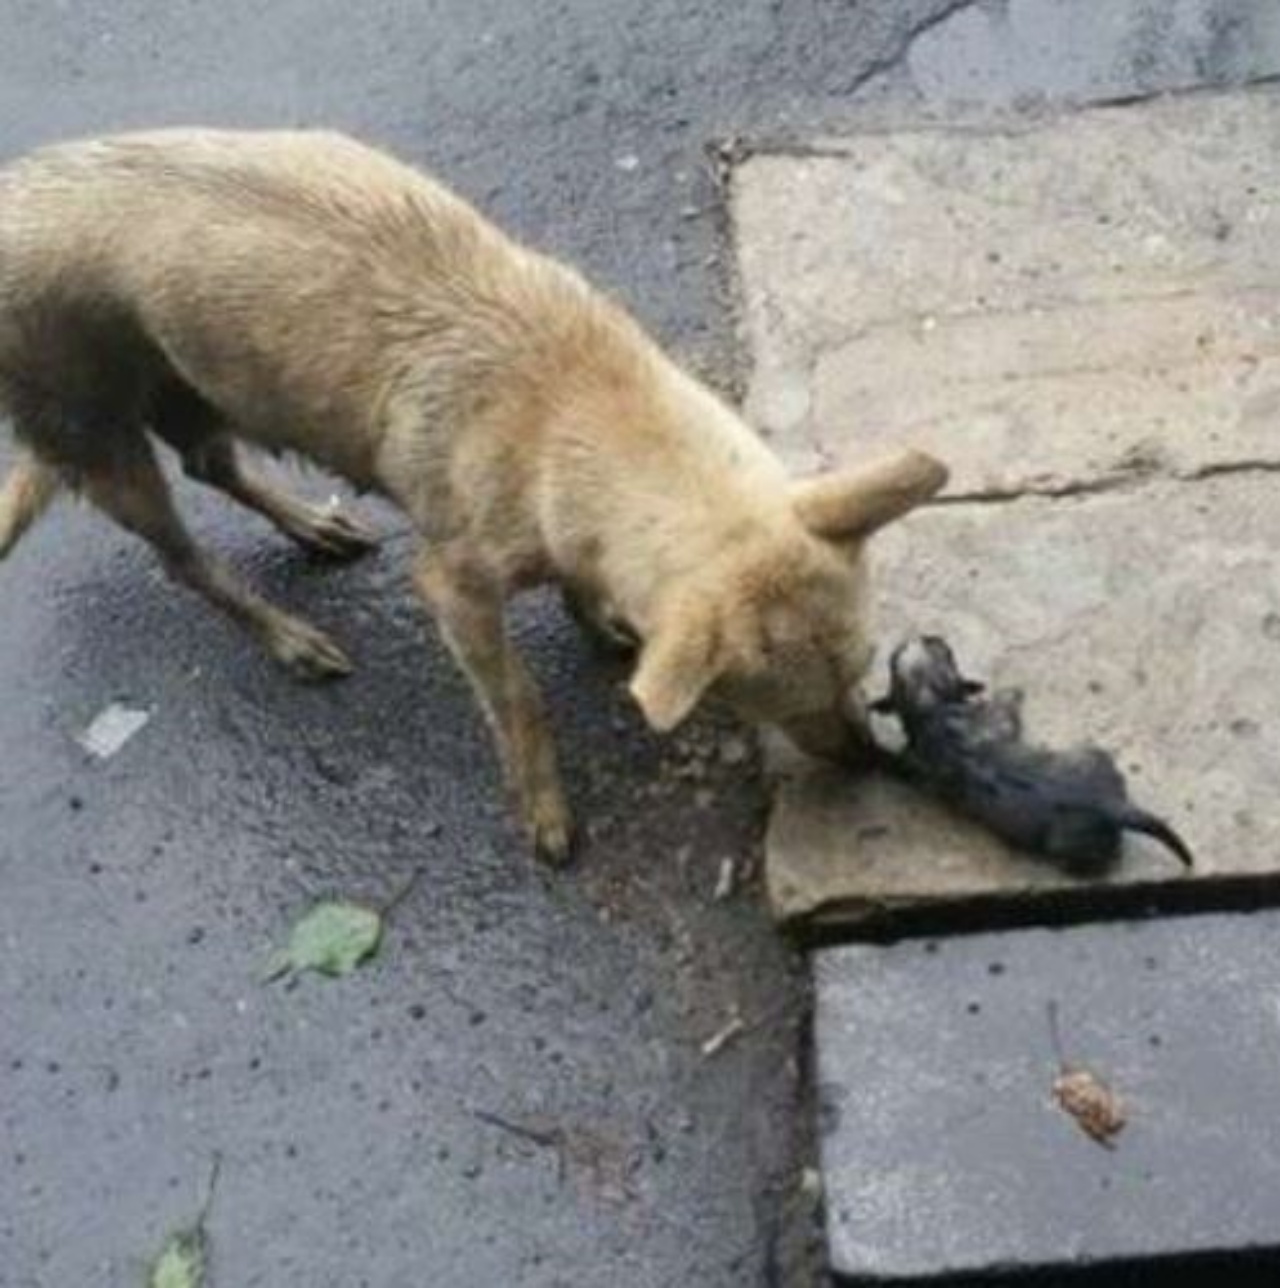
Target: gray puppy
x,y
967,749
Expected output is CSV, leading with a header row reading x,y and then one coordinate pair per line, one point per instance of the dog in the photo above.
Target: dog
x,y
968,749
302,293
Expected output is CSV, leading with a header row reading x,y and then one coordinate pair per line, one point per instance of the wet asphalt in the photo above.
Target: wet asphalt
x,y
516,1091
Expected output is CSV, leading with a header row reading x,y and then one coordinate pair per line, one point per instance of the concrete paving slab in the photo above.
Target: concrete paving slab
x,y
944,1150
1084,320
1042,306
1147,619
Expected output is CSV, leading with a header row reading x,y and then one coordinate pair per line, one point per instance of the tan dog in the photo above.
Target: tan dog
x,y
303,293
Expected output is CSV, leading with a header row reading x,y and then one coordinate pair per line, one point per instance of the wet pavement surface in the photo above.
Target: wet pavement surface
x,y
144,894
359,1119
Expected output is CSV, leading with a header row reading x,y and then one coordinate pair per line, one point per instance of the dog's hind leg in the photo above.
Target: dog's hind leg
x,y
25,495
129,487
467,603
198,433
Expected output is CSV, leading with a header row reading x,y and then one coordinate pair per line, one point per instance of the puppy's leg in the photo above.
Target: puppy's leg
x,y
197,431
1005,707
131,489
467,603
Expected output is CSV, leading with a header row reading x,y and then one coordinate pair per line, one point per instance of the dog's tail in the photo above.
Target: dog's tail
x,y
1133,819
24,496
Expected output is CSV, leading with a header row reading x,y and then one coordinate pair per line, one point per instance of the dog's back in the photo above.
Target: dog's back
x,y
283,275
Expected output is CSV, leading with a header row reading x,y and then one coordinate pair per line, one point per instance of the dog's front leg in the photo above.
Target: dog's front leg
x,y
467,603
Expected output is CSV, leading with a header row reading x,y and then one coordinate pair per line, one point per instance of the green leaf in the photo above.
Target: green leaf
x,y
181,1262
332,939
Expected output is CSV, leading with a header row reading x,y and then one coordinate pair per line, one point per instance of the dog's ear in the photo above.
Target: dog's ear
x,y
677,665
852,504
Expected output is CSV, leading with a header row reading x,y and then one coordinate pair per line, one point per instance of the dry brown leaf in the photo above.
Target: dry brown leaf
x,y
1097,1109
1082,1094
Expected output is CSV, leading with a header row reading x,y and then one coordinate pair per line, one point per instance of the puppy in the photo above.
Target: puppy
x,y
1068,805
302,293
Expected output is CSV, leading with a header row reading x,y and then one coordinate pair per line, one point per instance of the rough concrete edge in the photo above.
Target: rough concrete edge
x,y
1260,1263
885,921
962,119
721,158
871,920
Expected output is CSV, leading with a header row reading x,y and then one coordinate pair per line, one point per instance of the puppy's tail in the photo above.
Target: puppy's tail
x,y
24,496
1133,819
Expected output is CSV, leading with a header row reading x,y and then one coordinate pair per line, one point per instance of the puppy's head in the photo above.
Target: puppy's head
x,y
775,626
924,675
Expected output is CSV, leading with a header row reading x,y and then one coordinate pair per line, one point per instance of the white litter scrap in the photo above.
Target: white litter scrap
x,y
111,728
717,1042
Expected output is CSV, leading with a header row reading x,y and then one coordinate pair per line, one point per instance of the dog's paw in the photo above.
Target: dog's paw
x,y
309,654
334,534
550,828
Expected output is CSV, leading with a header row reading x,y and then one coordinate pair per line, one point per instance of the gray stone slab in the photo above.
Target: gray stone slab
x,y
1090,298
1148,620
944,1151
1083,319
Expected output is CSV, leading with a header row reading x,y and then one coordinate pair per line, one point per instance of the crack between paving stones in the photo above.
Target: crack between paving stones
x,y
1116,481
982,122
905,324
889,61
1257,466
876,920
